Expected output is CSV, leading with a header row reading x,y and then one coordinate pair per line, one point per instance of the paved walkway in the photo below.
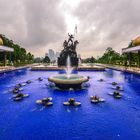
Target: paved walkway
x,y
122,68
12,68
116,67
5,68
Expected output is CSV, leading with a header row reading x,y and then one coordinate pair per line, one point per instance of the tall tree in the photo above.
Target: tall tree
x,y
20,54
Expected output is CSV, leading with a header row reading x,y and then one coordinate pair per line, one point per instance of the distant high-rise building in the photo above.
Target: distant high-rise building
x,y
79,56
57,54
51,54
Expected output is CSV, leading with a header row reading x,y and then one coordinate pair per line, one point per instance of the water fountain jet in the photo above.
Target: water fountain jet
x,y
68,68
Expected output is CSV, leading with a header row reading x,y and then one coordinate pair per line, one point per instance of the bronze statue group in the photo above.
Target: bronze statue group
x,y
69,49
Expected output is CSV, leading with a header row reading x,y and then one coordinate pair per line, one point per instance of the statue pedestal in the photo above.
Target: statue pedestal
x,y
63,60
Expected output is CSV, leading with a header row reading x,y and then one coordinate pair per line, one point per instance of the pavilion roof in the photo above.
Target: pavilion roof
x,y
131,49
5,49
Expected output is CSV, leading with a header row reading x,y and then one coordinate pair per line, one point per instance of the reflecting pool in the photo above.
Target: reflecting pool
x,y
115,119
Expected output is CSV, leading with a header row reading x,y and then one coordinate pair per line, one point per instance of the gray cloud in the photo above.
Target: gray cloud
x,y
40,25
44,22
115,22
33,24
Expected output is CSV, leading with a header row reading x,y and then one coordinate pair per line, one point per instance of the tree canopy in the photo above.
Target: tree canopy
x,y
112,57
20,55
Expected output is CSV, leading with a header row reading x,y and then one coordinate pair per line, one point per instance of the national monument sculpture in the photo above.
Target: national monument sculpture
x,y
69,50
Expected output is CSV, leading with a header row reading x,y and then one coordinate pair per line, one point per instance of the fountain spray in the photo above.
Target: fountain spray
x,y
68,68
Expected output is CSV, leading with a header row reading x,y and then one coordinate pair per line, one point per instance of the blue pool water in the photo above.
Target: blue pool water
x,y
116,119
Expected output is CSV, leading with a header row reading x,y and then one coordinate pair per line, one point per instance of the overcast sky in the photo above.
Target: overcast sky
x,y
39,25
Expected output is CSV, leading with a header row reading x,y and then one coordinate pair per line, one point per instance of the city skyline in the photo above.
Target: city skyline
x,y
42,25
52,55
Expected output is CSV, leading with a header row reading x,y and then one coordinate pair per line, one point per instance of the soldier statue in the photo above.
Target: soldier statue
x,y
70,38
69,49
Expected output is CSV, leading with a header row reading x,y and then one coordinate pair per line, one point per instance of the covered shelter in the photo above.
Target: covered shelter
x,y
5,50
134,47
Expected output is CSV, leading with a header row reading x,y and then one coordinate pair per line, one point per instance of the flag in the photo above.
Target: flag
x,y
76,29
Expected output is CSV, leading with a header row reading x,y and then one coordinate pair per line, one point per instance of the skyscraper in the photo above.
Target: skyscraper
x,y
51,55
57,55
